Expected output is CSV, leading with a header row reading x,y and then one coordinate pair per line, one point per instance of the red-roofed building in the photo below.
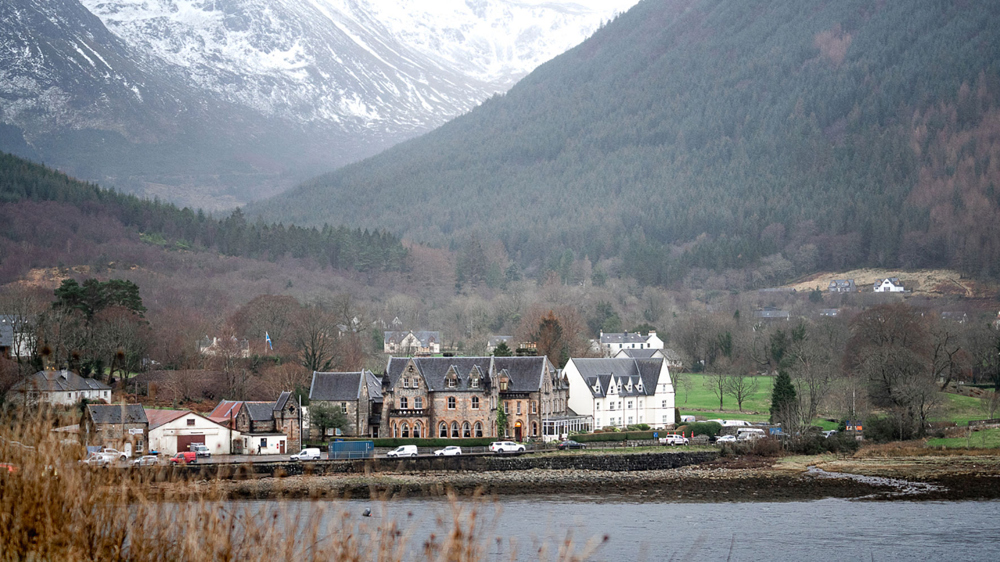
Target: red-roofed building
x,y
266,428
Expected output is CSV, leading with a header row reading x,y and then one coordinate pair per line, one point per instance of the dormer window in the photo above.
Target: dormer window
x,y
452,381
474,383
503,384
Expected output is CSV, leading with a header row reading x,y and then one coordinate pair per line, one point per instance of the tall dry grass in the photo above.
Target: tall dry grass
x,y
54,508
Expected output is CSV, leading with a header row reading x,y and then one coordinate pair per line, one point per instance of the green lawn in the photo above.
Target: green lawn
x,y
985,439
959,409
692,395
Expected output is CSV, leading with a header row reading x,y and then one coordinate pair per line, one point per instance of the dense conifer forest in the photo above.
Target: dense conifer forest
x,y
758,140
166,225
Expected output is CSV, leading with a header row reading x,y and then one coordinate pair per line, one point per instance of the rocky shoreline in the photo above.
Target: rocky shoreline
x,y
723,480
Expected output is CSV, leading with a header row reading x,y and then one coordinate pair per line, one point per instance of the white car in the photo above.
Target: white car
x,y
146,460
506,447
726,439
307,454
200,449
114,454
98,459
673,439
449,451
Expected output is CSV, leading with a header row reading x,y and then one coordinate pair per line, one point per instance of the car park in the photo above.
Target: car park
x,y
184,457
146,460
403,451
570,444
307,454
674,439
449,451
500,447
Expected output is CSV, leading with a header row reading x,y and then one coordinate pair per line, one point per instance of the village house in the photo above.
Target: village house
x,y
621,392
16,338
171,431
224,347
612,343
462,397
358,395
58,387
121,426
889,285
412,343
842,286
494,341
672,358
266,428
771,314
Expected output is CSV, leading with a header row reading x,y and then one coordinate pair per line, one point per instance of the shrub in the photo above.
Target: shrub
x,y
711,429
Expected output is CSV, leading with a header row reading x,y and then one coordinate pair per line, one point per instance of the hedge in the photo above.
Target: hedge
x,y
710,429
393,443
616,436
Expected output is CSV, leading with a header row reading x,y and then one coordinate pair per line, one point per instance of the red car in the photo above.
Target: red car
x,y
184,457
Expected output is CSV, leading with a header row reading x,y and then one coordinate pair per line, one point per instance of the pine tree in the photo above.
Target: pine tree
x,y
783,399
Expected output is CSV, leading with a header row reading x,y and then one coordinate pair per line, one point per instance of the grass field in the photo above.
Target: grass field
x,y
985,439
959,409
693,397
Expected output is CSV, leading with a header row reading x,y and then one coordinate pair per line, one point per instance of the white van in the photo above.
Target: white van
x,y
737,423
307,454
750,433
403,451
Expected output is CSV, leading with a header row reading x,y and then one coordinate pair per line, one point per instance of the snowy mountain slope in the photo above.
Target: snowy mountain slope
x,y
247,96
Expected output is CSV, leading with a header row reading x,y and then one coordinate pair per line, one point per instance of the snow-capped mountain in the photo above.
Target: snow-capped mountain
x,y
246,90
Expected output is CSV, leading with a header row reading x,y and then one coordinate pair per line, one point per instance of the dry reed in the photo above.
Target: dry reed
x,y
54,508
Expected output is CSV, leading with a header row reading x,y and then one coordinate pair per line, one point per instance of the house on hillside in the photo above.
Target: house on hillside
x,y
771,314
230,347
412,343
957,317
121,426
266,428
889,285
58,387
494,341
672,358
171,431
612,343
461,397
16,337
622,391
359,396
842,286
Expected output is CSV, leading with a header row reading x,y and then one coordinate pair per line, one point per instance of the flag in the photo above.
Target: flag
x,y
267,338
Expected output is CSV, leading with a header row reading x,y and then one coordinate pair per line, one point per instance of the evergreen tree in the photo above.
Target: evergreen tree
x,y
784,402
502,350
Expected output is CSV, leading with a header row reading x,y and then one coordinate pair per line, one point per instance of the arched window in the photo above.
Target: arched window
x,y
479,429
466,430
475,402
394,434
417,430
454,430
418,403
443,430
451,402
406,430
534,429
402,403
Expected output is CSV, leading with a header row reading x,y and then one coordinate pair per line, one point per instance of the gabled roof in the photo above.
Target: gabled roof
x,y
434,371
624,337
425,337
260,411
6,333
374,387
340,387
226,410
157,418
58,381
525,373
644,353
621,370
113,413
282,401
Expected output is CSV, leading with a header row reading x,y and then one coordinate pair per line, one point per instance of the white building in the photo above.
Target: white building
x,y
58,387
611,344
621,392
412,343
171,431
890,285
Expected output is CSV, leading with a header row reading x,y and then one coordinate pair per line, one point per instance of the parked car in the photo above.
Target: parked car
x,y
674,439
98,459
506,447
6,467
200,449
570,444
829,432
725,439
184,457
403,451
146,460
114,453
307,454
749,434
449,451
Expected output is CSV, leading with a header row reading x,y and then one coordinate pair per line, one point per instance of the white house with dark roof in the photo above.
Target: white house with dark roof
x,y
357,394
266,428
612,343
58,387
412,343
622,391
673,358
842,286
16,337
889,285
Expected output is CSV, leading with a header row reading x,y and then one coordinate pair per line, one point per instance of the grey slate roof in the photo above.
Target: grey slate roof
x,y
434,370
374,387
525,373
624,370
282,400
341,387
7,324
260,411
112,413
640,353
625,337
58,381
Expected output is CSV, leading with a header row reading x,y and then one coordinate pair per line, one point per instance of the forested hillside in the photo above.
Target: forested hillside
x,y
164,224
756,140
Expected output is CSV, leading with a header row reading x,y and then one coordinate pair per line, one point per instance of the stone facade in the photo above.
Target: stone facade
x,y
357,394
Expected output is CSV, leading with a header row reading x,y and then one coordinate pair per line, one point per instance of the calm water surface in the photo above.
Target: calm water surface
x,y
828,529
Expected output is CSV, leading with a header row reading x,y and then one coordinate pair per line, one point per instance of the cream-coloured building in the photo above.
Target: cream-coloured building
x,y
172,431
58,387
621,392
